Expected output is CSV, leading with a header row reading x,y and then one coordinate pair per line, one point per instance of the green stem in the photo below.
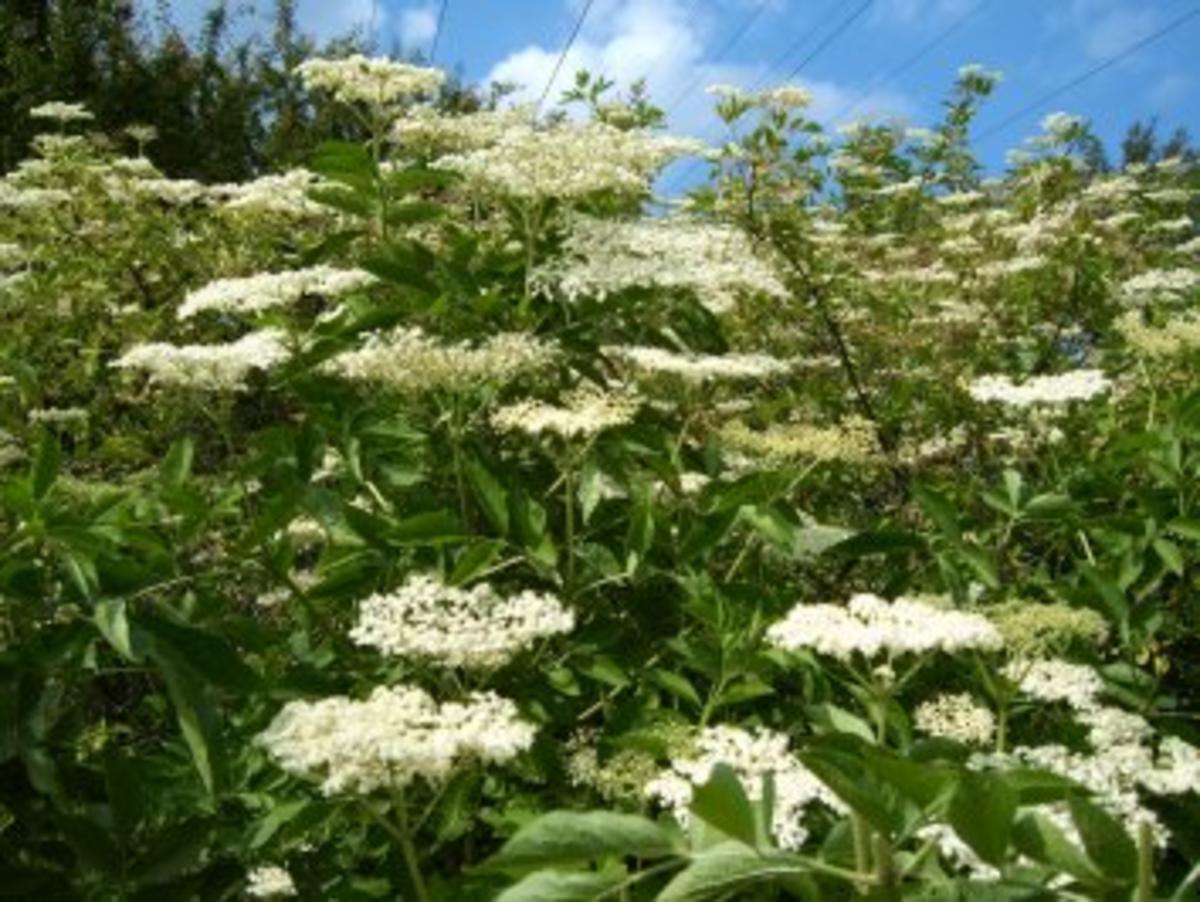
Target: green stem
x,y
409,851
862,853
1145,876
569,505
886,877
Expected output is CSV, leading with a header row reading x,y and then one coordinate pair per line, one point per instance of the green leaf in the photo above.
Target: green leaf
x,y
722,802
939,509
92,845
196,715
981,813
1106,842
840,720
731,870
560,886
474,561
886,541
1036,835
492,497
1185,529
568,837
1169,553
208,655
177,850
45,465
676,684
1113,598
113,623
277,817
176,467
844,773
345,162
921,781
430,528
123,784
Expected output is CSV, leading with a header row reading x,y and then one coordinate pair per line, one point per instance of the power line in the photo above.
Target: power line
x,y
1084,76
894,73
733,41
830,38
562,57
437,31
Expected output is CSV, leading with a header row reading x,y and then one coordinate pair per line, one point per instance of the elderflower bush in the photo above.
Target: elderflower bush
x,y
437,523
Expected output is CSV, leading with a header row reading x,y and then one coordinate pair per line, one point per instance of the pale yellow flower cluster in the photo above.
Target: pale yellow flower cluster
x,y
851,441
408,360
584,413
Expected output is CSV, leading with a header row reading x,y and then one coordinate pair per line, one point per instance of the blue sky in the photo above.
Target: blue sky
x,y
1037,44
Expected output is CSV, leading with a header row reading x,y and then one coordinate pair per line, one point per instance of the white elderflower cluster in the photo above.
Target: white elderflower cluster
x,y
870,626
59,111
285,194
786,97
851,441
452,627
428,128
58,416
267,291
1121,763
715,263
269,881
956,716
567,161
176,192
752,756
378,83
1077,385
391,738
408,360
698,368
1056,680
584,413
1177,335
1156,283
219,367
957,852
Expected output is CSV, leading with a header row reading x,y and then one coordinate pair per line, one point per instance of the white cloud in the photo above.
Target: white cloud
x,y
666,42
914,12
417,27
1168,92
1104,28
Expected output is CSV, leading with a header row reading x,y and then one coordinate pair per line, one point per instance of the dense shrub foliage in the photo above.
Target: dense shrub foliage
x,y
451,521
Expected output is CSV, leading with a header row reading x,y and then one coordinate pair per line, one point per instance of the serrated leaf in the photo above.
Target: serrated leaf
x,y
730,870
45,465
561,886
568,837
722,803
981,812
491,495
474,561
1106,842
112,621
176,467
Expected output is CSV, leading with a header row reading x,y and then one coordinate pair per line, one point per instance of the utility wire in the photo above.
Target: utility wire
x,y
562,57
892,74
437,31
1084,76
836,33
733,41
830,38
